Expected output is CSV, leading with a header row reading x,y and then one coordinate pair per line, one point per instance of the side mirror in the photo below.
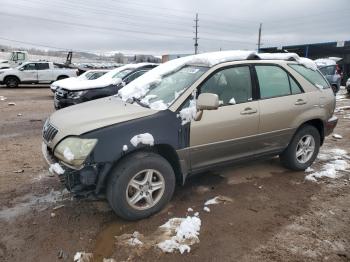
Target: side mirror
x,y
21,69
206,101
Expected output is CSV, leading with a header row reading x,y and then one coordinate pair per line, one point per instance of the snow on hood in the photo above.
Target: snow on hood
x,y
140,87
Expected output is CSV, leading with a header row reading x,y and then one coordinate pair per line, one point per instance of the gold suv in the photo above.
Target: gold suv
x,y
185,116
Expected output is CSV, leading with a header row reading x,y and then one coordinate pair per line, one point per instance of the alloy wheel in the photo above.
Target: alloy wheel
x,y
305,149
145,189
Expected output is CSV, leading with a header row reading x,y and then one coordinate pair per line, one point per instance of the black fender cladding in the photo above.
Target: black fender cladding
x,y
165,127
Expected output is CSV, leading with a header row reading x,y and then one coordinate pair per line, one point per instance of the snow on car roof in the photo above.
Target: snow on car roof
x,y
324,62
140,86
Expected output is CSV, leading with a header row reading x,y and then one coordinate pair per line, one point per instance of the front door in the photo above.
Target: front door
x,y
227,133
29,73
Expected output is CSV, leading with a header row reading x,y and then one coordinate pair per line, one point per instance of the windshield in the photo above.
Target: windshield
x,y
163,93
121,74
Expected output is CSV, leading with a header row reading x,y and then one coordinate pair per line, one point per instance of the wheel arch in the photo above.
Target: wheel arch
x,y
14,76
60,77
164,150
318,124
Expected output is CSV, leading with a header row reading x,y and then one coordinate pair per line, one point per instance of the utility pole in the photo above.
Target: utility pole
x,y
196,35
259,38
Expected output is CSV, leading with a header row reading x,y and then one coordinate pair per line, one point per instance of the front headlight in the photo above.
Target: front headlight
x,y
74,150
76,94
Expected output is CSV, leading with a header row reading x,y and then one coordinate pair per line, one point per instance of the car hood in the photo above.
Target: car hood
x,y
88,116
81,84
66,81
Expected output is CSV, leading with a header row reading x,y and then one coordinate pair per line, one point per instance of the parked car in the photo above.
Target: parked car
x,y
88,75
331,71
75,92
34,73
348,85
186,116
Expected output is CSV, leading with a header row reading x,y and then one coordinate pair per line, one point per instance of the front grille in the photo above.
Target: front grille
x,y
60,93
49,132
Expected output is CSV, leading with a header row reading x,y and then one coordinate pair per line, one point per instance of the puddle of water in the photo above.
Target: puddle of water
x,y
29,202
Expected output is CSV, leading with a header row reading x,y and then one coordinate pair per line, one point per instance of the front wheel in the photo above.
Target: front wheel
x,y
140,186
11,82
303,149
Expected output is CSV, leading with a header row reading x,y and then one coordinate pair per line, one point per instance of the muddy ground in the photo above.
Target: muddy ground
x,y
274,215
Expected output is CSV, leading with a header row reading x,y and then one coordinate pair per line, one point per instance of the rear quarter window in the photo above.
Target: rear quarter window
x,y
313,76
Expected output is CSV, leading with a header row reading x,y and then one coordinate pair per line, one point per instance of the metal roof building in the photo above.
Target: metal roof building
x,y
319,50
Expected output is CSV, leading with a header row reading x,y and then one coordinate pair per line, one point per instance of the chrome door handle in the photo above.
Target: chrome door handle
x,y
300,102
249,111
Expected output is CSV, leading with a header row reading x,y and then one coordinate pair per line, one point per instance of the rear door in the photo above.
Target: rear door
x,y
45,74
281,102
29,73
228,132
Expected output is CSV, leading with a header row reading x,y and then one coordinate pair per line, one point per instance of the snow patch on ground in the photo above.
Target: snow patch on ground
x,y
186,234
217,200
83,257
146,139
206,209
134,240
335,161
337,136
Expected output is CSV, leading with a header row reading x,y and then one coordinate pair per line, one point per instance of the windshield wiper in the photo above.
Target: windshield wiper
x,y
138,101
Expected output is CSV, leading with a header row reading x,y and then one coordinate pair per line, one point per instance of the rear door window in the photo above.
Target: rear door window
x,y
273,81
313,76
42,66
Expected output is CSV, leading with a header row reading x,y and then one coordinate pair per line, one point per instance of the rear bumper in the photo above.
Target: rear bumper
x,y
330,124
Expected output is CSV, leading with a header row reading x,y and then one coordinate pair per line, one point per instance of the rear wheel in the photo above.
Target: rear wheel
x,y
303,149
11,82
141,185
335,89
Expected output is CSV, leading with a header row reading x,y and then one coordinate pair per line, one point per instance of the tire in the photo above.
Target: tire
x,y
133,169
289,157
61,77
11,82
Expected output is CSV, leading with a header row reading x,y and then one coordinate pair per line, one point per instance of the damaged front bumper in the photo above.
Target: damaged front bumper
x,y
88,179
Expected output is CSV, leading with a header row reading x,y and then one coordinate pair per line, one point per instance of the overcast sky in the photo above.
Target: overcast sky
x,y
161,27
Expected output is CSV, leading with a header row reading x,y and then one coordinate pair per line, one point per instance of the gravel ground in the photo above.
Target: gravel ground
x,y
272,214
